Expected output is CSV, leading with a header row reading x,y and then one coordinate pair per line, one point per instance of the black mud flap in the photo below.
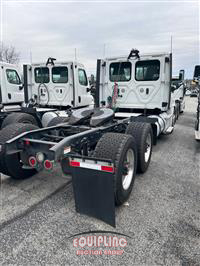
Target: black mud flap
x,y
93,185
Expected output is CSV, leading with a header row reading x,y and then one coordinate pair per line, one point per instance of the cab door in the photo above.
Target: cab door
x,y
117,80
61,85
14,92
82,94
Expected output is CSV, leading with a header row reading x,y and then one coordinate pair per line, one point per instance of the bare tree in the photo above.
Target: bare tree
x,y
9,54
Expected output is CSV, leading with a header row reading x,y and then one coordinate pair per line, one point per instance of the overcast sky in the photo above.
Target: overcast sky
x,y
56,29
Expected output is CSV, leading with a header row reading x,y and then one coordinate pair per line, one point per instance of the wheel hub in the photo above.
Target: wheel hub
x,y
148,148
128,169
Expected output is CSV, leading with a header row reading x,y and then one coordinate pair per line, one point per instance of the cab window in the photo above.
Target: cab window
x,y
60,74
82,77
13,77
147,70
41,75
120,71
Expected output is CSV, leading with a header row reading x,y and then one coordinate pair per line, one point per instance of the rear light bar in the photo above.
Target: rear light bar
x,y
92,164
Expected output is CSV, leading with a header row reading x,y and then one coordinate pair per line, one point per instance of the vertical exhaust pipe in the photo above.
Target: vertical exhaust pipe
x,y
25,74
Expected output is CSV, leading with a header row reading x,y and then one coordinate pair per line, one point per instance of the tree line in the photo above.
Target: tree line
x,y
9,54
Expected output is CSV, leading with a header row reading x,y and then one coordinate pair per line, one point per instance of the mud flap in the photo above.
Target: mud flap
x,y
93,185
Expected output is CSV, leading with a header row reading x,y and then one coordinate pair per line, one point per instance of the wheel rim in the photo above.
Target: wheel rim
x,y
129,169
148,148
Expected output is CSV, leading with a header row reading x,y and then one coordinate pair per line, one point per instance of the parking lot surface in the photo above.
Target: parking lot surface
x,y
162,217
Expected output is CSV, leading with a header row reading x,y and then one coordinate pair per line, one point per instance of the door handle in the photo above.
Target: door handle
x,y
147,90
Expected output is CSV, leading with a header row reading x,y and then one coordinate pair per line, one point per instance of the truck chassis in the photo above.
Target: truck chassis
x,y
102,154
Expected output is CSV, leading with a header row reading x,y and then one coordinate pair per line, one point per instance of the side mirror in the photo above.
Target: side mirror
x,y
88,89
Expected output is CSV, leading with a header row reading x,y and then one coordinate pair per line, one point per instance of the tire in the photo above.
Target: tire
x,y
19,118
177,111
144,138
178,108
109,147
10,164
174,118
65,166
57,120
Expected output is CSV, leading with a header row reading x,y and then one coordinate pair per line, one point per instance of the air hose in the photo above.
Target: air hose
x,y
112,100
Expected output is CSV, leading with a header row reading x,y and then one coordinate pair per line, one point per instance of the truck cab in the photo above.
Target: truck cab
x,y
138,86
11,90
58,84
142,82
49,90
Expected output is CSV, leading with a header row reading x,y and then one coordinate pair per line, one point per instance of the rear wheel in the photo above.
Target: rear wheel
x,y
144,138
124,155
11,164
177,110
19,118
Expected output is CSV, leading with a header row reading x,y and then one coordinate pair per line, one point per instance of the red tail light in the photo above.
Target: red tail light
x,y
27,142
32,161
48,165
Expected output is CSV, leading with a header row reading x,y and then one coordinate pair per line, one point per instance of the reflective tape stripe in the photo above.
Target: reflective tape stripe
x,y
107,169
93,166
90,166
75,164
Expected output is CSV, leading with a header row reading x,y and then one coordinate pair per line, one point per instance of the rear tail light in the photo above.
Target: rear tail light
x,y
32,161
27,142
48,165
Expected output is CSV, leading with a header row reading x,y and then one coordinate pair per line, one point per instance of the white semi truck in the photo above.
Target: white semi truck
x,y
101,147
49,91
